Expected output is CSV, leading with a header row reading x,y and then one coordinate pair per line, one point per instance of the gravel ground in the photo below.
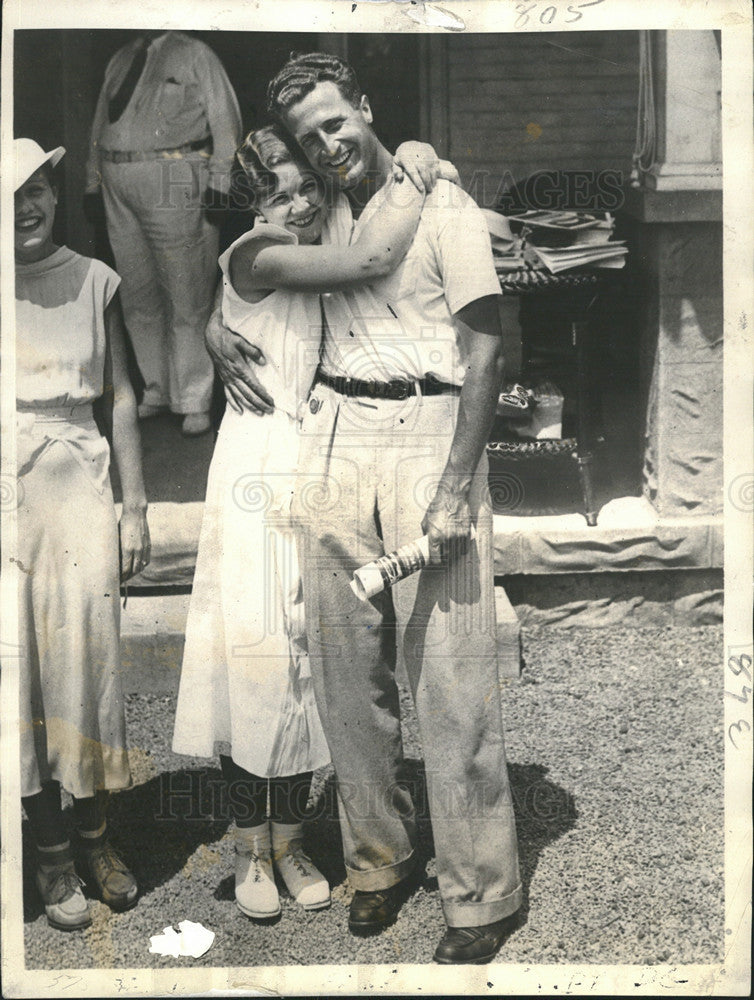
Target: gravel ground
x,y
615,751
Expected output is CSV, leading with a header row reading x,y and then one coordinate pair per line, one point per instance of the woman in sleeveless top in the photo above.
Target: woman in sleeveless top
x,y
69,353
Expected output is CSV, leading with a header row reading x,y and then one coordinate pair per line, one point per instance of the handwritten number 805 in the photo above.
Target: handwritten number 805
x,y
547,14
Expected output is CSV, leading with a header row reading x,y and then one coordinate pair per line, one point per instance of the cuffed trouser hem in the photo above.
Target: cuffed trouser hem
x,y
382,878
479,914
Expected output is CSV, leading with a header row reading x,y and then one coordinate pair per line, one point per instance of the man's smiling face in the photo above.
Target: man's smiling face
x,y
335,136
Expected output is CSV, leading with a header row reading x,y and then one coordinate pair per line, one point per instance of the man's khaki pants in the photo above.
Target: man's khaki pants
x,y
367,471
166,255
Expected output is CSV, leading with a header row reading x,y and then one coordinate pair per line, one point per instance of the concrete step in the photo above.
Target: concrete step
x,y
629,535
154,622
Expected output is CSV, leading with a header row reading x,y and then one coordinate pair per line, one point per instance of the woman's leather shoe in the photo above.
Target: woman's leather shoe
x,y
473,945
108,874
60,888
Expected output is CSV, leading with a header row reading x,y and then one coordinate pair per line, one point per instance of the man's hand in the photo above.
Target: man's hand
x,y
421,164
234,358
447,524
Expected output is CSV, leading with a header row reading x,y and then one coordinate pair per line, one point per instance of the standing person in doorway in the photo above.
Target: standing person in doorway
x,y
165,130
394,436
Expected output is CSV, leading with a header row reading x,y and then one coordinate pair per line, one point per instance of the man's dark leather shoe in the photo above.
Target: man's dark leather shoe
x,y
371,911
473,945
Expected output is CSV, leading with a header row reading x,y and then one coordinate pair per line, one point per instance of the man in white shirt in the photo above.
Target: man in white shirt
x,y
165,131
393,444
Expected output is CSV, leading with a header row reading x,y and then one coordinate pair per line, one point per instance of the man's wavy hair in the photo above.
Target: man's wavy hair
x,y
302,73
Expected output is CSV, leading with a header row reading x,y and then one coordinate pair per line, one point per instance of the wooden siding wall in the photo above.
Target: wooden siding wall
x,y
517,104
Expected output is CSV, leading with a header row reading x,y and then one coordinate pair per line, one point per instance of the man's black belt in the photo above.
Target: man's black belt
x,y
394,389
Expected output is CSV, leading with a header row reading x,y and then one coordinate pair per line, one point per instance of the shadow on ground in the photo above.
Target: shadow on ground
x,y
159,825
544,812
156,826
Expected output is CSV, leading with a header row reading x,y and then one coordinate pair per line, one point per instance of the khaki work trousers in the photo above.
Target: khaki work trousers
x,y
166,255
367,471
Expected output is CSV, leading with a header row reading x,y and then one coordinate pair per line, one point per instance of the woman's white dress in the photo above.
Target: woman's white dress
x,y
71,702
245,684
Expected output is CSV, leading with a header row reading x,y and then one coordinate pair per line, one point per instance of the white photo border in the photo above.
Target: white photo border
x,y
732,976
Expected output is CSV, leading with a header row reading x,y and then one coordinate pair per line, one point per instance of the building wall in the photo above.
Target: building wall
x,y
506,104
522,103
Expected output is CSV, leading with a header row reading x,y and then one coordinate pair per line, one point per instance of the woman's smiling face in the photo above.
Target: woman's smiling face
x,y
35,203
297,204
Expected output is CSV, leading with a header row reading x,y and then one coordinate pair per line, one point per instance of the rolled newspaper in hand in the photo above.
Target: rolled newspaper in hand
x,y
377,576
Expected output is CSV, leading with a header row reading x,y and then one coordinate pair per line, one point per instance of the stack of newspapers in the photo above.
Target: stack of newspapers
x,y
565,240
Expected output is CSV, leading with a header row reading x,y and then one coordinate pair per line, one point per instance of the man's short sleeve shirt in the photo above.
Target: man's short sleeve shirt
x,y
448,265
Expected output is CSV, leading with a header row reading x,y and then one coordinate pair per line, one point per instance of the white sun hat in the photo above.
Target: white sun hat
x,y
30,157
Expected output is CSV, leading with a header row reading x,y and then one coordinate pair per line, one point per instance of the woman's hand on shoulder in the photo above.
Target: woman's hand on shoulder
x,y
135,545
420,163
446,171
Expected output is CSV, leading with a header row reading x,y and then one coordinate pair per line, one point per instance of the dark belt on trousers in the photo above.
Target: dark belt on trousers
x,y
138,155
394,389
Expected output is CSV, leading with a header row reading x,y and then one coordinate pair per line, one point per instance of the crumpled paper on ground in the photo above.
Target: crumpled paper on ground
x,y
193,941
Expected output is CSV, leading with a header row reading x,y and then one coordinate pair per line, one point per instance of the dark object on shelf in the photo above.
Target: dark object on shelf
x,y
535,477
529,279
